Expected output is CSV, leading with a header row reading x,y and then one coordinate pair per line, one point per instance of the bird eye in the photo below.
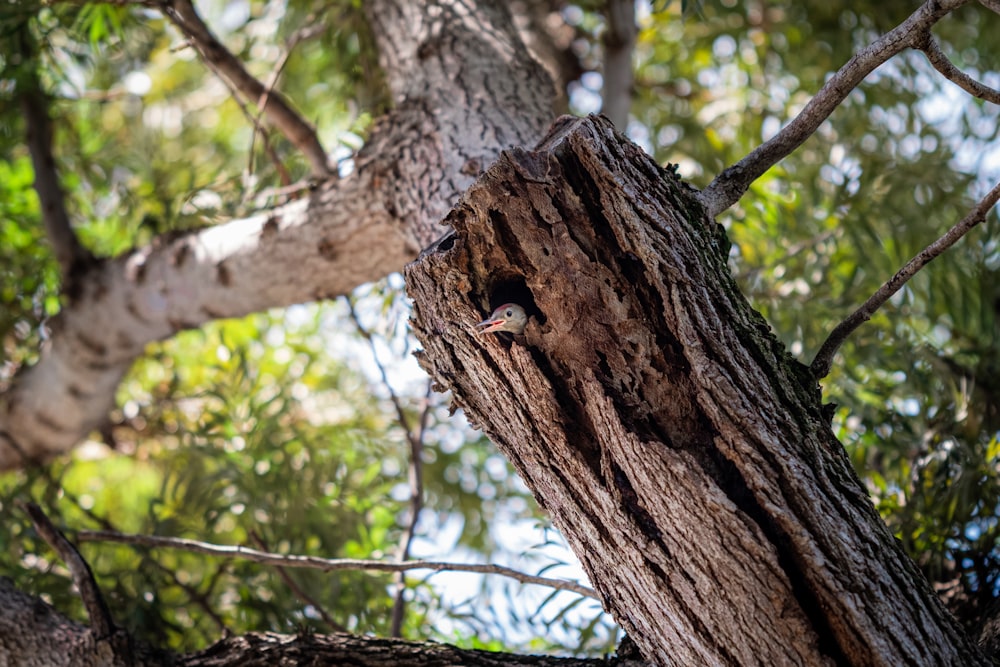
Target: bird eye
x,y
509,313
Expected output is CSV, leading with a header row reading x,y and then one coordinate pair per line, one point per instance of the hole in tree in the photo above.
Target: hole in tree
x,y
512,289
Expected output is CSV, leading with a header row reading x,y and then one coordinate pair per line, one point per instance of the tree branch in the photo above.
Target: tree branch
x,y
415,477
619,42
326,564
733,182
823,361
416,163
283,175
101,622
940,61
70,254
311,30
182,13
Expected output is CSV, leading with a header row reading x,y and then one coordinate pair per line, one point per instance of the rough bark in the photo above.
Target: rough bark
x,y
456,70
989,632
682,452
264,650
33,634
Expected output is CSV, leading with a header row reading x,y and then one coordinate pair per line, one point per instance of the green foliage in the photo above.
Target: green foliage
x,y
28,274
224,439
102,23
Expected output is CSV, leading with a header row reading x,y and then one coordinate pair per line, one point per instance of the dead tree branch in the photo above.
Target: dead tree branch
x,y
940,61
660,423
733,182
823,361
326,564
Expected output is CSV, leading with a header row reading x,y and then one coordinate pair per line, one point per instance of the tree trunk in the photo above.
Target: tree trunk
x,y
683,453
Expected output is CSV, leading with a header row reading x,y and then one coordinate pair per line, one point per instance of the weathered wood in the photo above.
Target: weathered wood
x,y
655,417
264,649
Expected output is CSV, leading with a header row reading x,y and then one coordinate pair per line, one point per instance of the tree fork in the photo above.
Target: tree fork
x,y
656,418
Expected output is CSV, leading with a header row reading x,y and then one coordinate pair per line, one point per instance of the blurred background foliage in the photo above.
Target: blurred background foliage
x,y
278,431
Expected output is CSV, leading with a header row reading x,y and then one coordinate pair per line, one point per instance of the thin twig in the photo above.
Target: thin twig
x,y
259,129
101,623
299,36
298,590
193,594
313,29
733,182
415,470
276,109
326,564
823,361
416,480
396,403
70,254
282,194
940,61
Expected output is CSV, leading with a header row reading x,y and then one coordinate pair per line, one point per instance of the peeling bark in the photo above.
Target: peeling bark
x,y
653,414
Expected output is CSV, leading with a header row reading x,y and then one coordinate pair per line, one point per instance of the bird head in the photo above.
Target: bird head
x,y
508,317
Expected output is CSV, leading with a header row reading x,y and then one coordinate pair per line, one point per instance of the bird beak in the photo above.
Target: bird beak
x,y
488,325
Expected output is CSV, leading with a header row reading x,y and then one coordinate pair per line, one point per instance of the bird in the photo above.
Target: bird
x,y
508,317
